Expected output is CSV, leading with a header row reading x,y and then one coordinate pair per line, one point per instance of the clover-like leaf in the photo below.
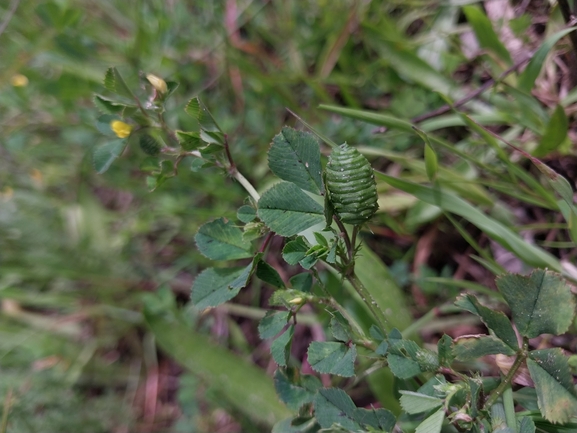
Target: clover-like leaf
x,y
287,210
295,157
332,358
541,303
222,240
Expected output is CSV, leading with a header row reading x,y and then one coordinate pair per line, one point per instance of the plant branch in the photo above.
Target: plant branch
x,y
508,379
486,85
368,299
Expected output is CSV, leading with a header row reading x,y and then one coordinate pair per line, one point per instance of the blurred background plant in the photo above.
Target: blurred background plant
x,y
79,250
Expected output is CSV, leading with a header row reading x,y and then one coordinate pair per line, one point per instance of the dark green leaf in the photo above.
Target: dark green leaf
x,y
190,140
468,348
114,82
370,117
340,328
104,155
287,210
196,109
280,347
433,423
556,403
295,157
554,362
332,358
109,106
334,406
431,158
485,33
403,367
413,402
526,425
531,72
382,420
272,323
445,351
269,275
246,213
215,286
295,390
494,320
237,379
295,250
222,240
541,303
555,133
302,281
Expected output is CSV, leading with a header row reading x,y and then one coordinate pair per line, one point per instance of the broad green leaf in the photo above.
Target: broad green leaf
x,y
246,214
531,72
190,140
287,210
379,282
215,286
403,356
414,402
295,157
294,251
496,321
269,275
109,106
302,281
433,423
471,347
527,252
222,240
114,82
340,328
294,389
103,124
332,358
554,362
196,109
485,33
445,351
541,303
104,155
556,403
526,425
370,117
272,323
555,133
296,425
334,406
280,347
246,387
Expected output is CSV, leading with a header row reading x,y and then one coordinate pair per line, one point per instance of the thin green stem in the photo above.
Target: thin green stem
x,y
424,320
246,184
508,379
509,406
368,299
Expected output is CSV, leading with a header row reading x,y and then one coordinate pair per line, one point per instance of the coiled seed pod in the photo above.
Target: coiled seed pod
x,y
351,185
149,144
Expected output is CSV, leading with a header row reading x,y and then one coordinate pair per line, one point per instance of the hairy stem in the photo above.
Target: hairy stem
x,y
368,299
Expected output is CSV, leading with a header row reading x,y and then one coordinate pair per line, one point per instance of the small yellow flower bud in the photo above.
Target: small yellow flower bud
x,y
158,83
121,129
296,301
19,80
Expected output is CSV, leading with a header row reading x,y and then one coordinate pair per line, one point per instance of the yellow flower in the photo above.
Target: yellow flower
x,y
19,80
158,83
121,129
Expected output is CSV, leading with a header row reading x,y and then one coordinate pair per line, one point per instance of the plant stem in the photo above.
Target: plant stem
x,y
368,299
509,406
497,392
246,184
427,318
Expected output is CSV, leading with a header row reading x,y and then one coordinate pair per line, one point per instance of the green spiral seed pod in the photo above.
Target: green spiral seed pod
x,y
149,144
351,185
